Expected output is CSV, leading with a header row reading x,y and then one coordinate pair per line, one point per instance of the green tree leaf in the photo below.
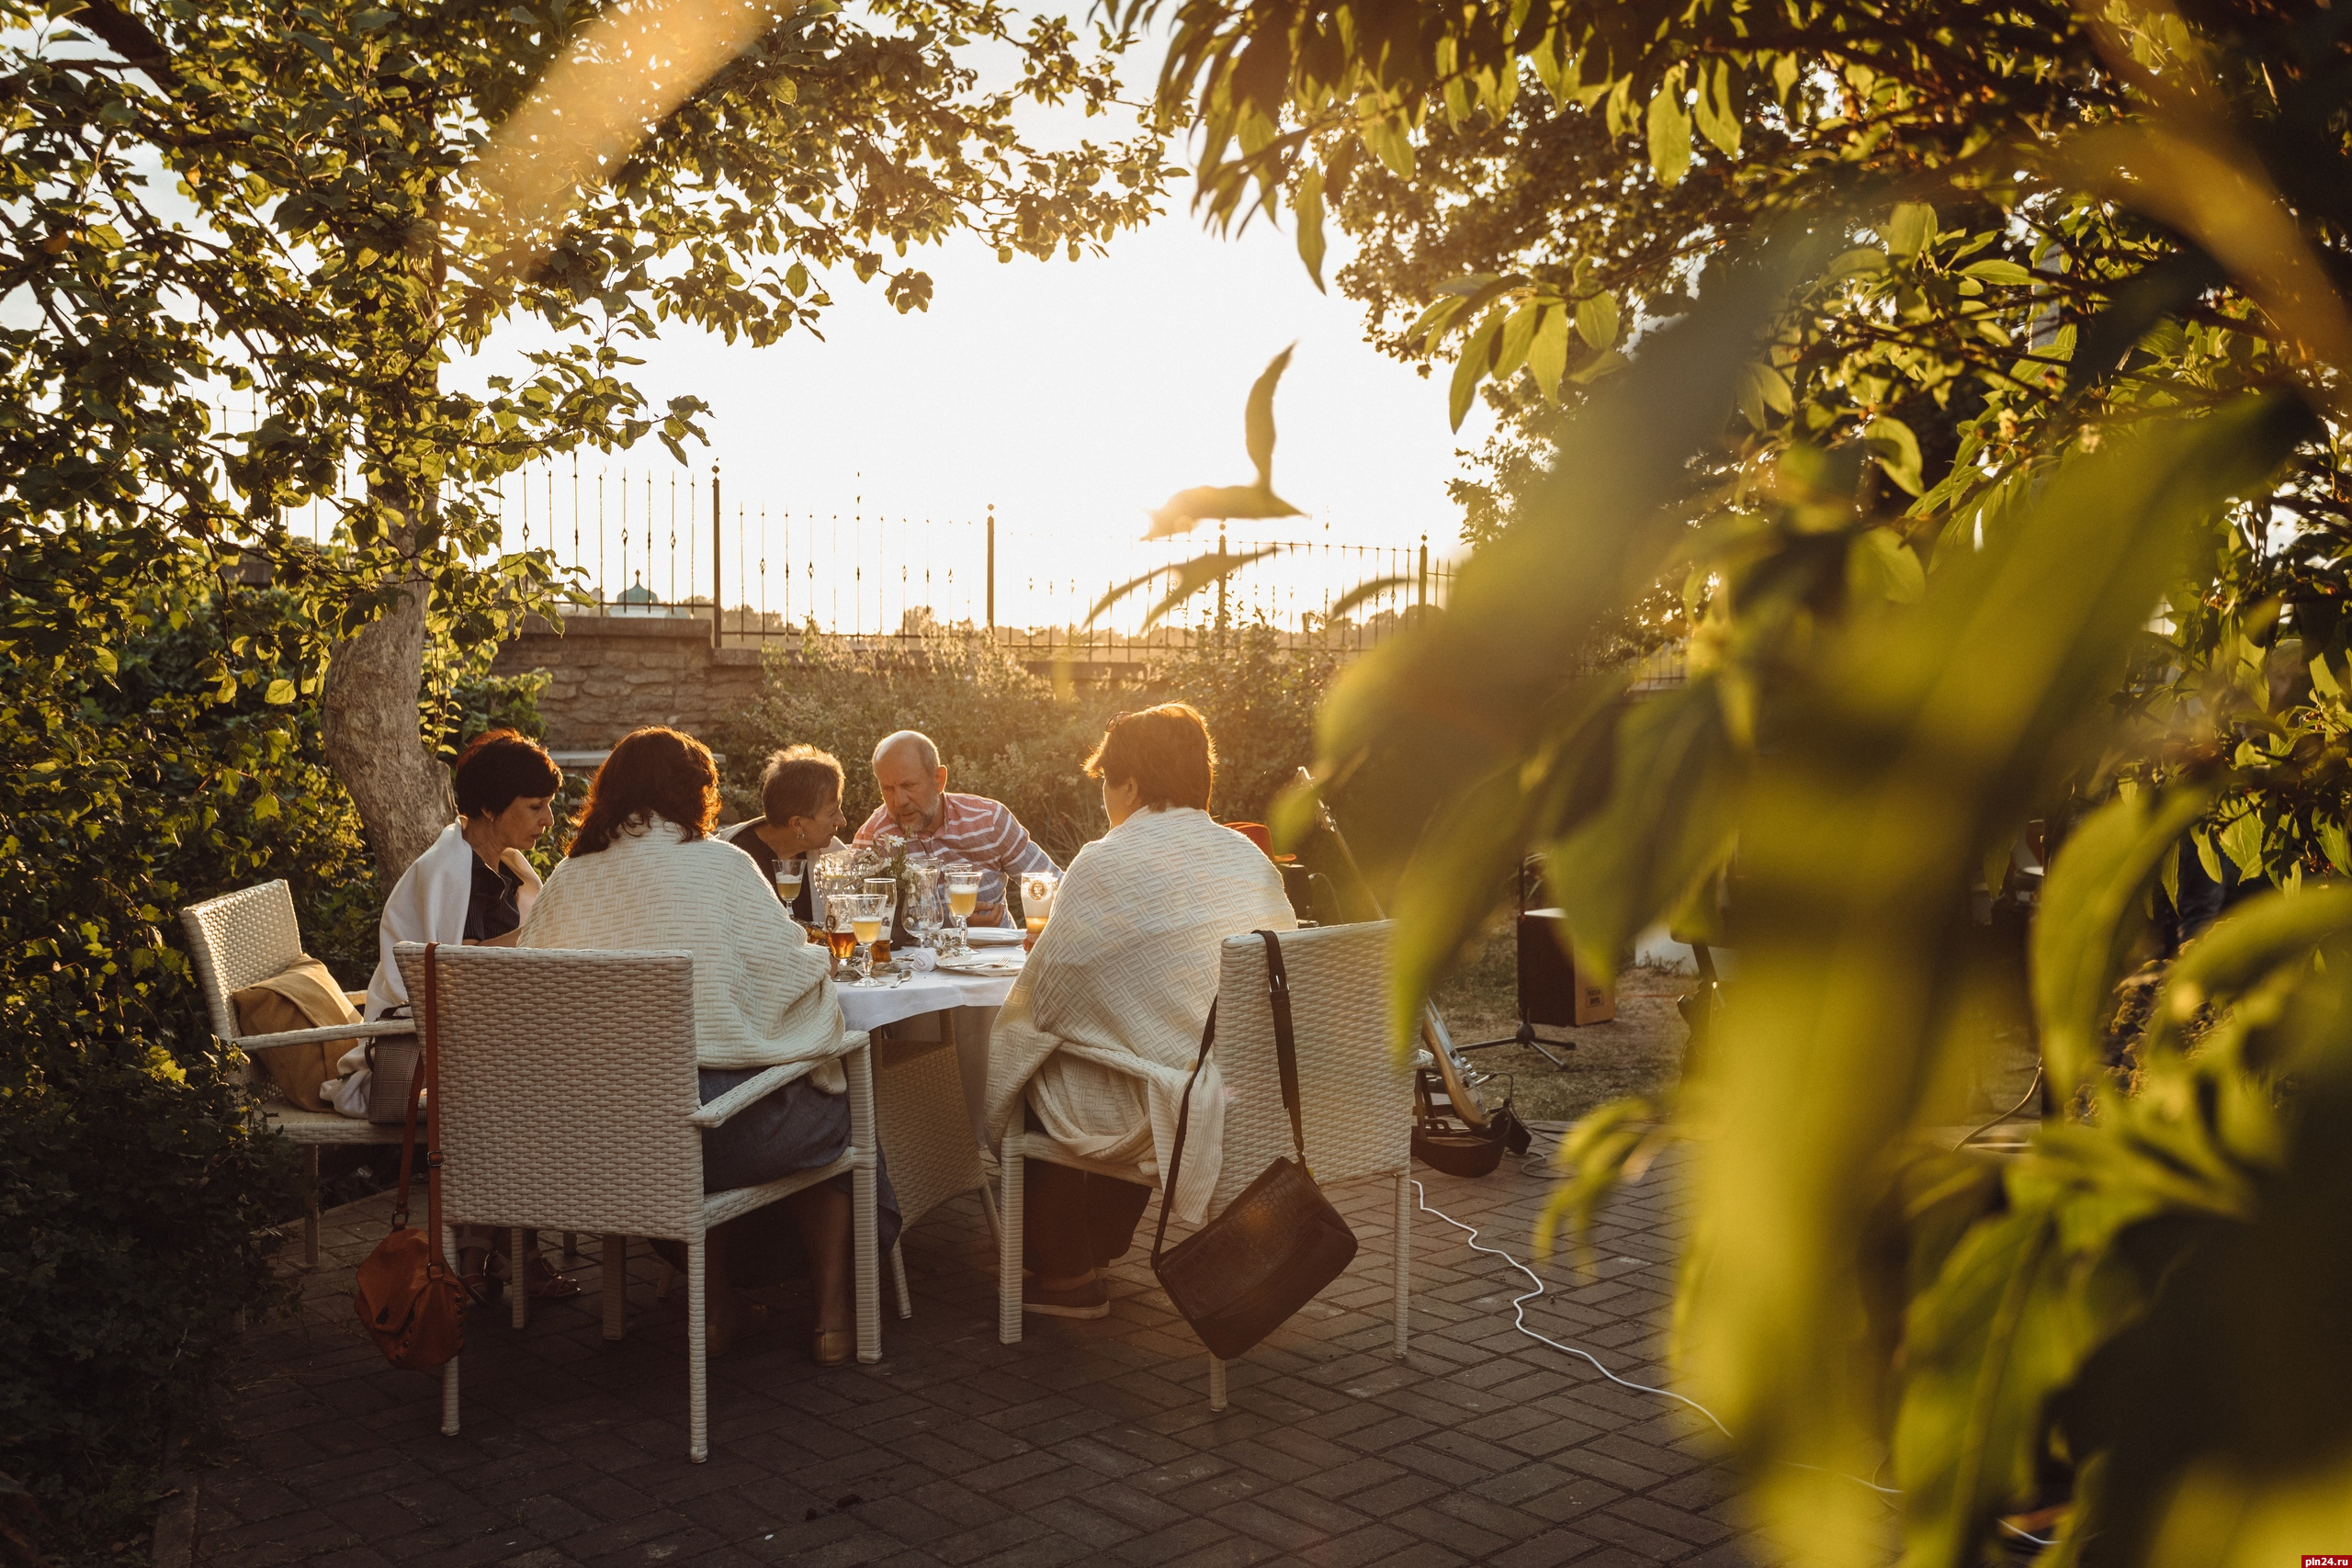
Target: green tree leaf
x,y
2091,913
1669,133
1597,320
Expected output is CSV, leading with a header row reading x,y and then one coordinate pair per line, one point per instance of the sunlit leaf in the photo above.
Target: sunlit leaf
x,y
2090,915
1596,320
1669,133
1306,206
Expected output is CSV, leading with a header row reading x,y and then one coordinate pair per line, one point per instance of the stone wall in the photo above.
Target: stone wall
x,y
610,674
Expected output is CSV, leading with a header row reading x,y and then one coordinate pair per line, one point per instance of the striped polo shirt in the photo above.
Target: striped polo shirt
x,y
975,831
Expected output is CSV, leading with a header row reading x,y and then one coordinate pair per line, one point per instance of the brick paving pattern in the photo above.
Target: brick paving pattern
x,y
1088,1442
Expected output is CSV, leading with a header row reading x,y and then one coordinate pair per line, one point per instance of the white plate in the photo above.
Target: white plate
x,y
998,936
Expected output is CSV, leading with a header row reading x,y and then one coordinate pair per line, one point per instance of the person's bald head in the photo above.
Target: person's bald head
x,y
908,771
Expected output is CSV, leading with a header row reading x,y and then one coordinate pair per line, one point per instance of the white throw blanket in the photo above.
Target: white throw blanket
x,y
1104,1025
764,997
428,904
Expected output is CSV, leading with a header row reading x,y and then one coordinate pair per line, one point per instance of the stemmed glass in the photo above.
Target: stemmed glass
x,y
963,898
926,908
884,891
789,874
864,925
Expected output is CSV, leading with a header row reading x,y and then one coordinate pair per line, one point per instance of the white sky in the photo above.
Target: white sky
x,y
1073,396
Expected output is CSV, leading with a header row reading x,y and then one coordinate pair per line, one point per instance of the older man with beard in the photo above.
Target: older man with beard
x,y
917,806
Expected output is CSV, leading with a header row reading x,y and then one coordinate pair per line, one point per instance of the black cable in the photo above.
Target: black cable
x,y
2031,1090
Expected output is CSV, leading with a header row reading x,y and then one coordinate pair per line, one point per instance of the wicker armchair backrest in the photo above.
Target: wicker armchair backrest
x,y
238,939
566,1080
1356,1101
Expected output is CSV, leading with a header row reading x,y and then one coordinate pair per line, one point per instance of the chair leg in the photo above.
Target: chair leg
x,y
697,1379
613,1287
988,1212
449,1367
311,1209
865,1198
518,1285
1216,1382
1404,1254
572,1246
898,1280
1008,1251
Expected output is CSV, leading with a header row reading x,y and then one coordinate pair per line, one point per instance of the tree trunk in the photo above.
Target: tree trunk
x,y
374,741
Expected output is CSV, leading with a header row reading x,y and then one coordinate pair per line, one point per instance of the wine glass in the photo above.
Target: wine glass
x,y
884,890
864,925
789,874
963,898
926,906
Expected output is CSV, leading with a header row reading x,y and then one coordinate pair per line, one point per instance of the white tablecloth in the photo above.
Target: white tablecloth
x,y
927,1094
934,992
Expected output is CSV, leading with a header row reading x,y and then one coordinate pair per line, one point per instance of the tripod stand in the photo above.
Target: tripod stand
x,y
1555,972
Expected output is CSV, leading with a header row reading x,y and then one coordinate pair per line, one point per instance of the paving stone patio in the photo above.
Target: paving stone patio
x,y
1088,1442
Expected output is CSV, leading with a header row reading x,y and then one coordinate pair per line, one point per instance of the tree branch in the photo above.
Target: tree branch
x,y
130,38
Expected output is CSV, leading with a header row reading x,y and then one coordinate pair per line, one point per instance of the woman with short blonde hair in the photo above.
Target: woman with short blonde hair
x,y
1093,1048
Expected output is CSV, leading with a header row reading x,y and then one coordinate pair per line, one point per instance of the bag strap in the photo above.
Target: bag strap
x,y
1286,1060
1183,1116
408,1136
1286,1041
427,1081
432,1076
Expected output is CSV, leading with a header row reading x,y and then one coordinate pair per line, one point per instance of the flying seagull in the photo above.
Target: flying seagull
x,y
1207,503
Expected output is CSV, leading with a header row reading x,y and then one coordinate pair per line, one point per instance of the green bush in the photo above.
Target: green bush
x,y
134,1187
1005,732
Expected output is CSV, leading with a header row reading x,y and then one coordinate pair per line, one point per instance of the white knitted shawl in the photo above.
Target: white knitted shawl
x,y
1122,979
428,904
762,994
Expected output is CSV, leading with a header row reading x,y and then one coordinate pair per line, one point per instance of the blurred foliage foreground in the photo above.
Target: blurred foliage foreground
x,y
2089,570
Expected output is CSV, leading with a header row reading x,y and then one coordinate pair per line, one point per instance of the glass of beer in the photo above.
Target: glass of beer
x,y
1038,890
839,934
864,926
788,876
963,898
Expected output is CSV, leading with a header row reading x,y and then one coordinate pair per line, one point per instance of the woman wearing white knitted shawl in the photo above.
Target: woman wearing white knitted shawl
x,y
644,875
1103,1027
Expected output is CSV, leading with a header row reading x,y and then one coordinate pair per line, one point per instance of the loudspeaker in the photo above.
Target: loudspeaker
x,y
1553,991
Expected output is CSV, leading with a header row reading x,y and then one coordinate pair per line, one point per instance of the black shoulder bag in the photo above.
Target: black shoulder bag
x,y
1242,1275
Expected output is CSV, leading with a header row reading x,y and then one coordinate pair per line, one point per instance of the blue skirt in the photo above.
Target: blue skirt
x,y
799,1127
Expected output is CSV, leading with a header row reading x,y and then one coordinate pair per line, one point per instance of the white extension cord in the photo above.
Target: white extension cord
x,y
1518,1321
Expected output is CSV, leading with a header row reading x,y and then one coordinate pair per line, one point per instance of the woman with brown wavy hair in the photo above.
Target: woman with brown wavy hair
x,y
644,874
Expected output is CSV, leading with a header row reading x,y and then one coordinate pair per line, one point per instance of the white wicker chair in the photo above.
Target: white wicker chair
x,y
241,939
1354,1102
568,1102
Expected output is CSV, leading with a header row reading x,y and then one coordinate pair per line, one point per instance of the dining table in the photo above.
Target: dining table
x,y
929,1053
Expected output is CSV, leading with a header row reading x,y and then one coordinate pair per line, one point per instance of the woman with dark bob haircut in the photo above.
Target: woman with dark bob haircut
x,y
644,874
1093,1047
475,886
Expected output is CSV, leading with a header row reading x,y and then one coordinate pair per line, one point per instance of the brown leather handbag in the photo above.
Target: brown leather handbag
x,y
1242,1275
407,1295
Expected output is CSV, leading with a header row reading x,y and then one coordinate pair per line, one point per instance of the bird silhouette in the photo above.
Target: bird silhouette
x,y
1187,509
